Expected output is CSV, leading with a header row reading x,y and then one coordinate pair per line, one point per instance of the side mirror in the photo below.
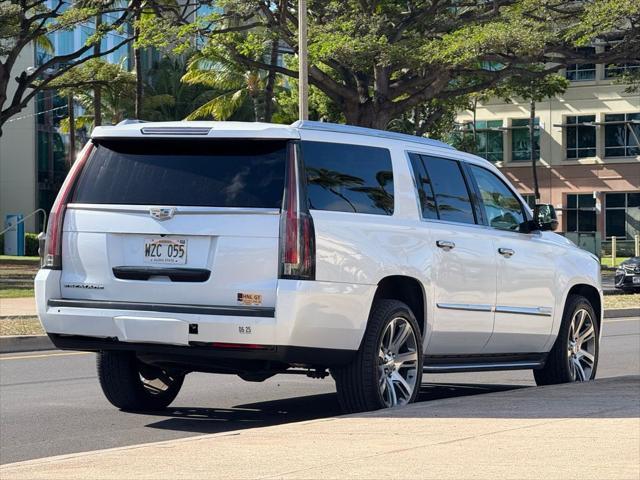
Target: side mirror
x,y
544,218
544,215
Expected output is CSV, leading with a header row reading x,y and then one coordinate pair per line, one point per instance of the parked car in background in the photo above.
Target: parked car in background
x,y
257,249
628,275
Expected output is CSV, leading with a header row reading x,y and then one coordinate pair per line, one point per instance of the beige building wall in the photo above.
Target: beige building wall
x,y
559,176
18,173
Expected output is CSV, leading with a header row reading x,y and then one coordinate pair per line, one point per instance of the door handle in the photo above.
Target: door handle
x,y
445,244
506,252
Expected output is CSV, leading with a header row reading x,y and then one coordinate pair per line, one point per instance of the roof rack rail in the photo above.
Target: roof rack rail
x,y
371,132
129,121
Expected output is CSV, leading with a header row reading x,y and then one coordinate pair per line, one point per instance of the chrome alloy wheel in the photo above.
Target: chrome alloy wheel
x,y
397,363
581,346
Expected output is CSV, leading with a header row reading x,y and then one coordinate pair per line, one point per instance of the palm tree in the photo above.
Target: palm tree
x,y
236,88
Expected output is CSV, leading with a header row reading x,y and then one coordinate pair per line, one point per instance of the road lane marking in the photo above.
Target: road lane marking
x,y
20,357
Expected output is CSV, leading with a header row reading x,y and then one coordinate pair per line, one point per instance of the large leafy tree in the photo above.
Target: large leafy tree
x,y
378,60
27,22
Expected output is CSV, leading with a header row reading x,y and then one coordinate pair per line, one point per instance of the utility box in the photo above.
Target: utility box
x,y
14,237
590,241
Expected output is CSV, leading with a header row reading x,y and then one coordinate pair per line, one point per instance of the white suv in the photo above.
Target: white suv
x,y
256,249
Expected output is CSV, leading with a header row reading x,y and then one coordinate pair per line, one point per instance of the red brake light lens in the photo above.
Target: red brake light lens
x,y
297,235
53,243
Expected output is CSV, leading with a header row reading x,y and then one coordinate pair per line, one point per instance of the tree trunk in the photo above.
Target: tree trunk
x,y
72,129
365,115
271,81
97,91
532,149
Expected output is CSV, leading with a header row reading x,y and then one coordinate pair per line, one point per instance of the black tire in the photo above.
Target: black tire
x,y
357,383
557,368
120,378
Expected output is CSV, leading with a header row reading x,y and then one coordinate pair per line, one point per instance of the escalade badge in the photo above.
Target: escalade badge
x,y
162,213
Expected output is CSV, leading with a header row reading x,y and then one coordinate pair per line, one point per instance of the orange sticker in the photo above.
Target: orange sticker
x,y
250,298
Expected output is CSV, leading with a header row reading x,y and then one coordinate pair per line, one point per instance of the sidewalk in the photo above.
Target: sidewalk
x,y
570,431
17,307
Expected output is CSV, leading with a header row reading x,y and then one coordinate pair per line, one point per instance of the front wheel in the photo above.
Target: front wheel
x,y
574,356
132,385
387,370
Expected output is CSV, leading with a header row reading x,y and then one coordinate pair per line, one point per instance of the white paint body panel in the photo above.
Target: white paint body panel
x,y
354,253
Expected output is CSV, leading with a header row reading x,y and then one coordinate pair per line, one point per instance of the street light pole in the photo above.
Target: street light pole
x,y
303,79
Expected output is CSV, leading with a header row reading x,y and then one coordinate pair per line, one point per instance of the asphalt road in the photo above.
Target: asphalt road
x,y
51,404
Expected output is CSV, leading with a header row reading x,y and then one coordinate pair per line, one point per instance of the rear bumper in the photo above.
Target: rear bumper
x,y
312,323
203,357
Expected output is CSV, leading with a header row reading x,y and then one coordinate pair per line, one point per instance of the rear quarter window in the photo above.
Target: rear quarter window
x,y
348,178
184,172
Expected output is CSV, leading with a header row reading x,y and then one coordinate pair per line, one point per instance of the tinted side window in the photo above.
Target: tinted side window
x,y
503,209
348,178
451,193
425,191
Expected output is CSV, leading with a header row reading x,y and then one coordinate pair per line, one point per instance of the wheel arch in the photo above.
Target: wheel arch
x,y
592,294
408,290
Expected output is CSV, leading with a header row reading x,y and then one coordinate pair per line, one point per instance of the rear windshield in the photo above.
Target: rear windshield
x,y
189,172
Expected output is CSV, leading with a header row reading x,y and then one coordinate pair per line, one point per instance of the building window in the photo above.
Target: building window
x,y
581,138
622,214
530,199
579,72
621,135
488,142
520,145
615,70
581,213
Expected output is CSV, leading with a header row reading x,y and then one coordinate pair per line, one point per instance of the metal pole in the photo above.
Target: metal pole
x,y
614,247
303,79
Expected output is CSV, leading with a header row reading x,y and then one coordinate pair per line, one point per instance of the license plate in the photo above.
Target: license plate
x,y
165,251
636,280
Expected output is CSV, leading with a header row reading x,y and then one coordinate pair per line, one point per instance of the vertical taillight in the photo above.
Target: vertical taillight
x,y
53,242
297,235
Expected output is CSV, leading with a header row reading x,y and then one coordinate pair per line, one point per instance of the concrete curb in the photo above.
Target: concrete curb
x,y
622,312
25,343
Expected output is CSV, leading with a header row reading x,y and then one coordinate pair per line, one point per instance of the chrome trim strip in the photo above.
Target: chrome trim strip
x,y
538,311
178,210
222,310
480,366
465,306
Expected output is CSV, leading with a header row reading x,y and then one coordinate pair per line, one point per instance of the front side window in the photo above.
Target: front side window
x,y
520,144
621,135
581,213
450,191
348,178
622,214
581,138
502,208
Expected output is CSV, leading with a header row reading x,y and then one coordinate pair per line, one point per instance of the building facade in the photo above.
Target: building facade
x,y
587,142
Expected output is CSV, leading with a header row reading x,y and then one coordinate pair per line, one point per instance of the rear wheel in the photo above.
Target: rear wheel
x,y
132,385
574,357
387,370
